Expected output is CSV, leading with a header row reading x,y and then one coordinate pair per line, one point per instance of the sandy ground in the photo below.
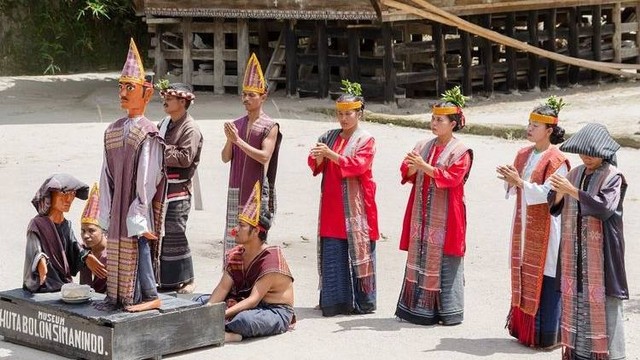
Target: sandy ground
x,y
55,125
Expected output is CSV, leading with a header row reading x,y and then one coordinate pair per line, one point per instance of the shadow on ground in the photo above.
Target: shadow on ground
x,y
481,347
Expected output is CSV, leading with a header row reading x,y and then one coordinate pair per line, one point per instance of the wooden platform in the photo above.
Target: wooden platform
x,y
45,322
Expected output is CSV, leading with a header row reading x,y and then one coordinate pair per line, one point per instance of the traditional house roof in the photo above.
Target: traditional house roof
x,y
266,9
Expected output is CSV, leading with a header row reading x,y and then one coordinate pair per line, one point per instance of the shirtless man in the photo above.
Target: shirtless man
x,y
257,284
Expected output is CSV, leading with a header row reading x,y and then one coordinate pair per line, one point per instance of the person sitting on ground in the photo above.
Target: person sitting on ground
x,y
53,255
257,284
94,239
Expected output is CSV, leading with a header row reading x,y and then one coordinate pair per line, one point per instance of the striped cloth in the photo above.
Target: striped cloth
x,y
593,140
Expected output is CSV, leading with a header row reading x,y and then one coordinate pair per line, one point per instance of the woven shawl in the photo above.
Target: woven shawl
x,y
357,226
591,238
527,267
428,230
269,260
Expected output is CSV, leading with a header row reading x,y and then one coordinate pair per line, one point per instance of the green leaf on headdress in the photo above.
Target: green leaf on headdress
x,y
455,97
351,88
556,103
162,85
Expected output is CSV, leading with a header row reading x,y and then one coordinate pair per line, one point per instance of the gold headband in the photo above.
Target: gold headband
x,y
449,110
545,119
352,105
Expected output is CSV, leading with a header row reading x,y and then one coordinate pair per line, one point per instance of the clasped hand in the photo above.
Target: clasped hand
x,y
509,174
320,151
561,184
415,161
231,132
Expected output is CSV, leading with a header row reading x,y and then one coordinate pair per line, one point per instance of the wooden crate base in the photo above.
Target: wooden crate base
x,y
45,322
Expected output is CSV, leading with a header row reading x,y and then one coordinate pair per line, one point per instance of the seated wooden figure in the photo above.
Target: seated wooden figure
x,y
94,239
257,284
53,255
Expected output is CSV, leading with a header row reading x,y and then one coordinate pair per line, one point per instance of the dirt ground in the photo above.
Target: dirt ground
x,y
55,124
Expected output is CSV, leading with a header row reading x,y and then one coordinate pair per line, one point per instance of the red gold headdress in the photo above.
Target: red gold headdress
x,y
251,210
545,119
253,77
91,210
133,70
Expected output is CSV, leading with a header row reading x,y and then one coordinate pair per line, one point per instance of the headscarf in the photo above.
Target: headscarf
x,y
61,182
593,140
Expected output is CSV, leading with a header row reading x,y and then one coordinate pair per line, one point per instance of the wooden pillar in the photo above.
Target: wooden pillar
x,y
439,58
512,63
323,60
596,40
574,71
160,62
354,54
187,62
487,57
387,64
534,65
550,28
243,51
467,70
291,48
218,56
638,32
264,55
617,32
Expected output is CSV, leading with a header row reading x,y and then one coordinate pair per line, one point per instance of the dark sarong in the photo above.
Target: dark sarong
x,y
341,292
451,306
176,266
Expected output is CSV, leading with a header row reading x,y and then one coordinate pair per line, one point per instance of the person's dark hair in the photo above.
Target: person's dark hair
x,y
262,234
557,135
452,117
351,98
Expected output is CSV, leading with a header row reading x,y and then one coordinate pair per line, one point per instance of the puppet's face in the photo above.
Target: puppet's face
x,y
92,235
253,101
134,97
61,200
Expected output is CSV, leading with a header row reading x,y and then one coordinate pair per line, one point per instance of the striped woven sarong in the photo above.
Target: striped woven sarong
x,y
176,266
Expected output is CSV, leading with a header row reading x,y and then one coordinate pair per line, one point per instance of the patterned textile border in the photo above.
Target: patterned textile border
x,y
264,14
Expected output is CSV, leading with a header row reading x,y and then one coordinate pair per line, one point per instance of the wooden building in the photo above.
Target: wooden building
x,y
307,46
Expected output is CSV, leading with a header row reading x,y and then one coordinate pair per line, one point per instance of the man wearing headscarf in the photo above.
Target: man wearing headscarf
x,y
593,279
253,143
132,190
257,284
183,141
52,254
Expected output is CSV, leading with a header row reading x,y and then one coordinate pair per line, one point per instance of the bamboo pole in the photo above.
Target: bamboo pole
x,y
434,13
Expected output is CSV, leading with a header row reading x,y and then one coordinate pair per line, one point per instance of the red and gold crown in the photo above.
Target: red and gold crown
x,y
91,210
133,70
253,77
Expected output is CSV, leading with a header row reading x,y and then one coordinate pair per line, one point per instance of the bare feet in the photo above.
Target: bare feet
x,y
232,337
144,306
187,288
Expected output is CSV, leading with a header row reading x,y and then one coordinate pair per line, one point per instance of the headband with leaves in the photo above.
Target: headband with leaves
x,y
455,97
556,103
353,89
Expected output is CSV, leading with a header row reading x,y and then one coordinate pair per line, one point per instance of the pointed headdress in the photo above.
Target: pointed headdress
x,y
133,70
253,77
91,210
256,211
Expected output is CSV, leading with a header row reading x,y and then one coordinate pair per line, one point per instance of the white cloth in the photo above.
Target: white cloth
x,y
534,194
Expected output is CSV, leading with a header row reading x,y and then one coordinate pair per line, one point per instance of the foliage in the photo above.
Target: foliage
x,y
54,36
556,103
455,97
351,88
162,85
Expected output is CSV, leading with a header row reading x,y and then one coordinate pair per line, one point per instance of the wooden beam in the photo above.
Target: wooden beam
x,y
263,43
160,21
291,48
218,60
323,61
487,56
467,75
187,62
617,34
573,21
354,54
596,39
160,62
550,28
243,51
512,65
638,31
388,64
439,58
534,65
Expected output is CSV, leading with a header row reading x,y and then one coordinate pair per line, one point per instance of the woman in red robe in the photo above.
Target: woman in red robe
x,y
348,226
434,225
